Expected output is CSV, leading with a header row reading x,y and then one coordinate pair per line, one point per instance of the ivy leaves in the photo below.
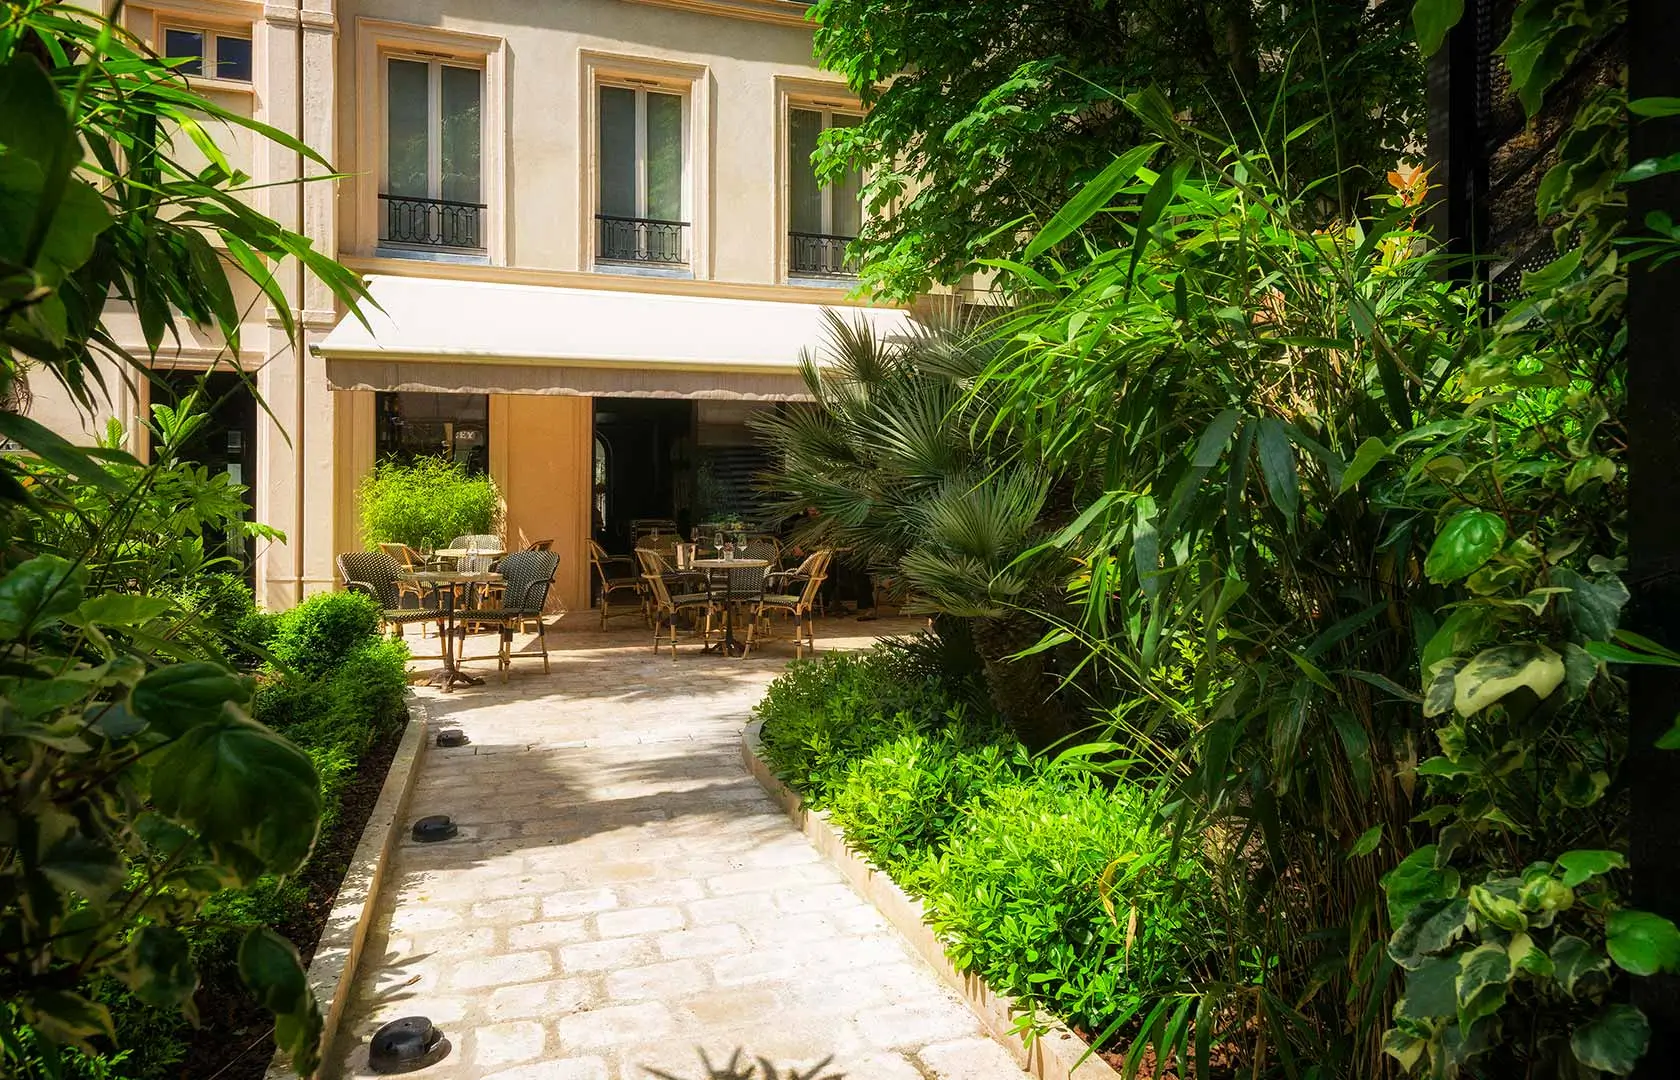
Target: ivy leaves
x,y
1463,957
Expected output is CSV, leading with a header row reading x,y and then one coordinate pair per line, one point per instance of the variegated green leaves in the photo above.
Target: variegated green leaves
x,y
128,793
1466,954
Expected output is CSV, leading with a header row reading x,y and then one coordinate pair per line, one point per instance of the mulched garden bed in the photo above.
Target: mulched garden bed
x,y
235,1039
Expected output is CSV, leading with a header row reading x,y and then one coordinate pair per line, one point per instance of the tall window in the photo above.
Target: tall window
x,y
434,174
451,426
215,53
822,218
642,163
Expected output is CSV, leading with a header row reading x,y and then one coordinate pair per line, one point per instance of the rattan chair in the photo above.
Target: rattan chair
x,y
783,582
799,605
527,577
409,561
666,605
539,545
611,583
376,574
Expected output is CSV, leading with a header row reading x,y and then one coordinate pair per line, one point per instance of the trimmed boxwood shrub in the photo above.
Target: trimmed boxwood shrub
x,y
323,632
1055,884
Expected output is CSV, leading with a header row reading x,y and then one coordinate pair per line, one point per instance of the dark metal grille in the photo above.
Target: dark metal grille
x,y
433,222
641,240
820,255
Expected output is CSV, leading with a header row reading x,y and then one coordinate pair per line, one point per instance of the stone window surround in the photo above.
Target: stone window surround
x,y
379,39
241,18
693,81
794,93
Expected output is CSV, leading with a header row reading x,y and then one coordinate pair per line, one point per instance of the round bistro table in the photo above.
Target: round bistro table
x,y
730,646
444,583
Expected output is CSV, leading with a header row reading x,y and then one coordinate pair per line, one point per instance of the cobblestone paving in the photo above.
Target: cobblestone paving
x,y
623,897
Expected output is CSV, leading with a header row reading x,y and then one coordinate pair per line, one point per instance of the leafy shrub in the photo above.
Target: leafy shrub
x,y
899,803
323,631
431,499
822,716
1063,893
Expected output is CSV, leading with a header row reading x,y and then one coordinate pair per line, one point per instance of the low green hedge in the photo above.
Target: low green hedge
x,y
1058,888
334,687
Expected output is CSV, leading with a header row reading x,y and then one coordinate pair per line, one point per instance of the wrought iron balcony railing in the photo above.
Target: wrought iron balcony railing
x,y
641,240
439,223
819,255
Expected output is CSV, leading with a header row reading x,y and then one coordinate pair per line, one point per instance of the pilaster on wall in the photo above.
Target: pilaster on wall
x,y
279,104
320,223
295,40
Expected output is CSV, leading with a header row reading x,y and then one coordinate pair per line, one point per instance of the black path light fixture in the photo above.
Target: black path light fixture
x,y
407,1045
433,828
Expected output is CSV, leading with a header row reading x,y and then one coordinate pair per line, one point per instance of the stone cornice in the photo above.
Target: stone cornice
x,y
782,12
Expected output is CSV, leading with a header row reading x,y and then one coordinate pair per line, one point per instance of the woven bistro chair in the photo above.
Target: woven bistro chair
x,y
783,582
409,561
539,545
799,605
527,577
376,574
666,605
612,582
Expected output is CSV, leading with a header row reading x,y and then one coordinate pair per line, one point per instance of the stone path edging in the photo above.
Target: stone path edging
x,y
332,971
1054,1055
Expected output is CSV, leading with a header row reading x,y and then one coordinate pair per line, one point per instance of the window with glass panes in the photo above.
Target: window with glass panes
x,y
641,206
433,194
218,54
822,218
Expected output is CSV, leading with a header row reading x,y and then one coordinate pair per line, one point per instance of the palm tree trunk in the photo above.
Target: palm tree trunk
x,y
1024,689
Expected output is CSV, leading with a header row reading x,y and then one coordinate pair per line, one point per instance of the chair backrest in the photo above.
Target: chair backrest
x,y
373,569
656,587
809,563
749,584
774,543
651,561
526,577
476,564
539,545
817,565
407,558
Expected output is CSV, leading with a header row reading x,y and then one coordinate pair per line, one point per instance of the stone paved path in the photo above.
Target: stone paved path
x,y
623,895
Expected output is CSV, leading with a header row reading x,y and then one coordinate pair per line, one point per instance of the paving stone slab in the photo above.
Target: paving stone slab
x,y
624,895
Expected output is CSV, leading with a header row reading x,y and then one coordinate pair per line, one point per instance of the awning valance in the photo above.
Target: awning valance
x,y
482,337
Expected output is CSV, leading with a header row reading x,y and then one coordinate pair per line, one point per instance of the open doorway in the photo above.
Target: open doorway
x,y
685,462
226,444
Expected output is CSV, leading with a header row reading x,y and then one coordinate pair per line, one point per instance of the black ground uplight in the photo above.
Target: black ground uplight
x,y
452,737
406,1045
431,829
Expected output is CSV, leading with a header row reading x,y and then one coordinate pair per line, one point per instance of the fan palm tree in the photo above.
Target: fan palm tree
x,y
911,469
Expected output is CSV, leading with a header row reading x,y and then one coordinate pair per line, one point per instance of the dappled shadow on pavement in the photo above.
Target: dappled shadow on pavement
x,y
623,895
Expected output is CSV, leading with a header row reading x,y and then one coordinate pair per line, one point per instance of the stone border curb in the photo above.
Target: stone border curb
x,y
1051,1056
332,971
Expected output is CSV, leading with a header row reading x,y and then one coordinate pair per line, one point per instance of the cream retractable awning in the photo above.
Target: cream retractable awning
x,y
456,336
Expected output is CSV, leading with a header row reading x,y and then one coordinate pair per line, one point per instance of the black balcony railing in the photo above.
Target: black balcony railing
x,y
819,255
641,240
441,223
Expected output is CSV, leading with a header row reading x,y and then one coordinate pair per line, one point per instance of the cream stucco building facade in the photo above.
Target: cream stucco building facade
x,y
557,204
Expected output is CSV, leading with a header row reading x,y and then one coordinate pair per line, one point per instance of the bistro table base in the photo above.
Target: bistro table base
x,y
448,679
